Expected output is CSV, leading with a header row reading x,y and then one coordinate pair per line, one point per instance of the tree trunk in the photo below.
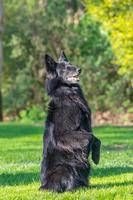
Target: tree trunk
x,y
1,58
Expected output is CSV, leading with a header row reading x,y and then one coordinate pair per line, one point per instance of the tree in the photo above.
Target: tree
x,y
117,18
1,58
39,27
34,28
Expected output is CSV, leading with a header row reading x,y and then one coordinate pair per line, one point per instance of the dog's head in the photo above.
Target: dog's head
x,y
62,68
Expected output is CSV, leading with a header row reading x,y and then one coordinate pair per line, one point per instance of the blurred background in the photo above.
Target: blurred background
x,y
96,35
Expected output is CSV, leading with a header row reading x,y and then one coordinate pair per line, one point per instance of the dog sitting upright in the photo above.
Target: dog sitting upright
x,y
68,137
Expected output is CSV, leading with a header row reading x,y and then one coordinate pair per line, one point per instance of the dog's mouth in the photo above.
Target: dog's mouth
x,y
73,78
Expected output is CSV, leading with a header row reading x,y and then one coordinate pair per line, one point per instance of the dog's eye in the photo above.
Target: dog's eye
x,y
68,68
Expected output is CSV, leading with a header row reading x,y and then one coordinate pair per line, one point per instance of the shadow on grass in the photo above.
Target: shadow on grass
x,y
19,130
112,129
111,171
23,178
109,185
18,179
117,147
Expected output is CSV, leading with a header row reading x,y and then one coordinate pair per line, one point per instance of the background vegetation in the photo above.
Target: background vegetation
x,y
96,35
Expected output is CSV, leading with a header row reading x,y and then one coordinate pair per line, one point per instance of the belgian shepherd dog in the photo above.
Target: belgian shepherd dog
x,y
68,137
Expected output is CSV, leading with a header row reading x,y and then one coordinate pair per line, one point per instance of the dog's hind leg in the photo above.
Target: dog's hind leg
x,y
60,180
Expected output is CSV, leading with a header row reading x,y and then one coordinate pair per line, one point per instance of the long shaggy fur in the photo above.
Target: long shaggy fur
x,y
68,137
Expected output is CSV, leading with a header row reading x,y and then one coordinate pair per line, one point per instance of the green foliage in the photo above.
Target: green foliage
x,y
95,56
21,154
33,28
117,18
33,114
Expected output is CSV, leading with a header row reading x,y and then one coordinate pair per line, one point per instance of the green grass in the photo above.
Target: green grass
x,y
20,157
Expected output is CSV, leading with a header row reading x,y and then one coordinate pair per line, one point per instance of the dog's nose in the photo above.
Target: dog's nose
x,y
79,71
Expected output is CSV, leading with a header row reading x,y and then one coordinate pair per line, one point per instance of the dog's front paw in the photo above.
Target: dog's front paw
x,y
96,151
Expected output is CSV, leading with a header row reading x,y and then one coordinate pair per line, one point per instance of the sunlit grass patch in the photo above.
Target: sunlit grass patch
x,y
20,157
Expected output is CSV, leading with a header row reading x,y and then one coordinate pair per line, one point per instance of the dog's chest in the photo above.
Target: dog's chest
x,y
67,115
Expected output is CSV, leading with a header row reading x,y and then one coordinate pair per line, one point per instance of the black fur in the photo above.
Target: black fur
x,y
68,137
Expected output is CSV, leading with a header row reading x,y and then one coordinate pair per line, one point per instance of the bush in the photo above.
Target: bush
x,y
33,114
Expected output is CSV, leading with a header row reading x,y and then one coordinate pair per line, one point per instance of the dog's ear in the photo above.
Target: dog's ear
x,y
50,64
96,150
63,57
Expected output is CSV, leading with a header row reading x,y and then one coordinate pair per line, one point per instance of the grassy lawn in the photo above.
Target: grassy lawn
x,y
20,157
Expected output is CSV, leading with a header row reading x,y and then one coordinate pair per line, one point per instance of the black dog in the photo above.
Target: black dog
x,y
68,137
